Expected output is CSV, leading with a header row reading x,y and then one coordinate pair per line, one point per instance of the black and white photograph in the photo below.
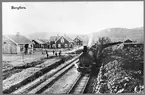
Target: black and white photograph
x,y
73,47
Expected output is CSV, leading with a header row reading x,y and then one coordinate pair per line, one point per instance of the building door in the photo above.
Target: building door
x,y
59,45
26,48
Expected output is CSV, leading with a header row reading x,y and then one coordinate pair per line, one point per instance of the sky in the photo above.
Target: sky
x,y
70,17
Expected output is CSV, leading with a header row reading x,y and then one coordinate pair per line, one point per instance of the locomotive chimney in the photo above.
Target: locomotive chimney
x,y
85,49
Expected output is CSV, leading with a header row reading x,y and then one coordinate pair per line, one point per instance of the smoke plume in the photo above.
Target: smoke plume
x,y
90,40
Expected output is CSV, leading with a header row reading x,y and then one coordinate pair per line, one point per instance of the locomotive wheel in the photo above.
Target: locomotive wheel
x,y
78,69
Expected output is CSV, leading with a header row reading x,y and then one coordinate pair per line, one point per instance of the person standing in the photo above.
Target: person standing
x,y
26,48
60,53
47,54
53,52
42,49
56,54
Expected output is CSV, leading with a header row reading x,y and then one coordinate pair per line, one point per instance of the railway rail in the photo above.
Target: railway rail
x,y
79,85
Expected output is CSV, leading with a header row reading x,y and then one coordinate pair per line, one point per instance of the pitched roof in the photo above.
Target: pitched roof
x,y
66,37
18,39
54,38
128,40
79,38
39,41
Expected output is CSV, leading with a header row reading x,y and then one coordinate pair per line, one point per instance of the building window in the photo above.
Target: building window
x,y
59,45
53,45
62,40
66,45
4,42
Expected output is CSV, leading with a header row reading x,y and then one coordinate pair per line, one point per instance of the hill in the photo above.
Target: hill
x,y
116,34
121,34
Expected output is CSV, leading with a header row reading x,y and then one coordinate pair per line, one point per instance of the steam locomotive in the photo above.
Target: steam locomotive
x,y
89,60
86,61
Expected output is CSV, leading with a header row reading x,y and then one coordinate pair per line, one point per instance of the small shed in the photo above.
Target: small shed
x,y
46,43
40,43
16,44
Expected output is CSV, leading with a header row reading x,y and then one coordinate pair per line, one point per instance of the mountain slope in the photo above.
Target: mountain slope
x,y
121,34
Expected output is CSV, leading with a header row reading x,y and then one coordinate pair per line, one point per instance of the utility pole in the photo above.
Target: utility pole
x,y
22,55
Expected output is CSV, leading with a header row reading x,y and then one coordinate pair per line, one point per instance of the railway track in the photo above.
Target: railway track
x,y
79,86
49,82
42,83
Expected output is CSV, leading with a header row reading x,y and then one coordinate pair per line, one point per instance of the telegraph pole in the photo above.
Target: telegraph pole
x,y
22,55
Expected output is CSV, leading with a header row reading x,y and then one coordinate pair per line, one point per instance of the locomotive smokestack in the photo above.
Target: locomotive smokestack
x,y
85,49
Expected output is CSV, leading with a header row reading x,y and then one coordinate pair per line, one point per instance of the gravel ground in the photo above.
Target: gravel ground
x,y
48,62
15,57
7,66
9,69
18,60
17,77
